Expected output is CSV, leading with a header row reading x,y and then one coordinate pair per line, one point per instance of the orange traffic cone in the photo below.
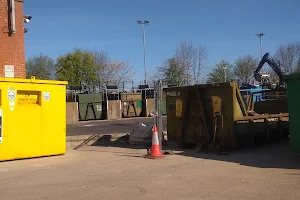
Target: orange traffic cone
x,y
155,149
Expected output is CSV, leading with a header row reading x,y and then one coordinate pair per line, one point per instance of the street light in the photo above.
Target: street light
x,y
260,35
225,73
143,23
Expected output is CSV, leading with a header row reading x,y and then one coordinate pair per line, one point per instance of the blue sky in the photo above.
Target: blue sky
x,y
226,28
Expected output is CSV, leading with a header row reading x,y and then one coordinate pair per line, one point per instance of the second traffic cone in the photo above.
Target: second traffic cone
x,y
155,148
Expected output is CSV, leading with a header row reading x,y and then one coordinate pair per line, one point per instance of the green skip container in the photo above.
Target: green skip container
x,y
293,85
90,106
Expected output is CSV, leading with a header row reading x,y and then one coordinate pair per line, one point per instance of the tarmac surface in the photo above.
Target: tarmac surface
x,y
108,126
105,172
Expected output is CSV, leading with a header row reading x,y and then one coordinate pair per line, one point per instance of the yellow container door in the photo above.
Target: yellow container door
x,y
28,115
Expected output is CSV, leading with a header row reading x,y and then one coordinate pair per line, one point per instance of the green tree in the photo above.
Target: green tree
x,y
41,66
223,72
244,68
172,72
78,67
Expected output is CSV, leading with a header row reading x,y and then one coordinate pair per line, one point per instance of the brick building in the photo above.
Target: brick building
x,y
12,51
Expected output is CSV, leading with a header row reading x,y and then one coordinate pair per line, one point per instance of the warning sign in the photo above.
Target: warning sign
x,y
99,108
9,71
46,96
1,122
11,95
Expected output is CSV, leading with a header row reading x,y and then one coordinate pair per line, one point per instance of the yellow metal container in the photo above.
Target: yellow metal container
x,y
126,96
207,114
33,118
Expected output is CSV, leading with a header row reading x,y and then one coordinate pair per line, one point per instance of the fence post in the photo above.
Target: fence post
x,y
158,110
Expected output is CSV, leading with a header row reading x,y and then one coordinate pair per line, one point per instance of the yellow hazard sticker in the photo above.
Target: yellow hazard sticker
x,y
178,108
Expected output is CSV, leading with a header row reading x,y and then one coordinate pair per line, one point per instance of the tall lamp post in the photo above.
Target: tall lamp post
x,y
143,23
225,73
260,35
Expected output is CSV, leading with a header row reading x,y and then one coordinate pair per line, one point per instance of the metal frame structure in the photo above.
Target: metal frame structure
x,y
108,88
158,89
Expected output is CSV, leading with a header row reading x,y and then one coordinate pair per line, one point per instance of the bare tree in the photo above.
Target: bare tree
x,y
187,63
288,57
200,62
185,55
112,72
154,76
297,69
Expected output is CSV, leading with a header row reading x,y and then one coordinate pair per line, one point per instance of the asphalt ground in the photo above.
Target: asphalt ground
x,y
108,126
106,172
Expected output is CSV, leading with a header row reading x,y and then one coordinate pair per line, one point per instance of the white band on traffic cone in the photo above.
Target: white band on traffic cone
x,y
155,139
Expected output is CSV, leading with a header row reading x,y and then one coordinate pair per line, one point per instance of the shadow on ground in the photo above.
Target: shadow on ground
x,y
276,155
123,142
121,145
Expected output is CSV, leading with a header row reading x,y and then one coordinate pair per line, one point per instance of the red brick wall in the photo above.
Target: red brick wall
x,y
12,50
